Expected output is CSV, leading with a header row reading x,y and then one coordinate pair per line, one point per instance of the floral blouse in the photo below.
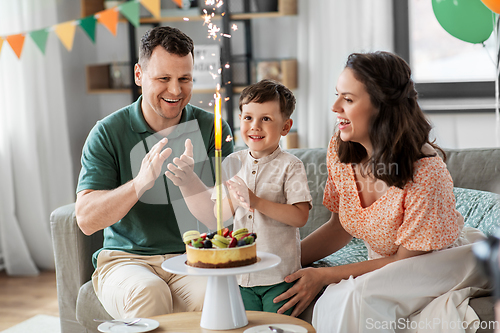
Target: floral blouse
x,y
420,217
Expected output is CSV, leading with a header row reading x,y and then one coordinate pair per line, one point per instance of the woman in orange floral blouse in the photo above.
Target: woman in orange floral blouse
x,y
388,186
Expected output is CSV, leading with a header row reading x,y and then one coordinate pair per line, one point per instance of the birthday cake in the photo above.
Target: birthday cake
x,y
220,250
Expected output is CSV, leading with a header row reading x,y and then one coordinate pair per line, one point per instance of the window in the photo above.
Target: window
x,y
434,55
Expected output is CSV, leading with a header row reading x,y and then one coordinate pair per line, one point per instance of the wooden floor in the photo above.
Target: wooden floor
x,y
24,297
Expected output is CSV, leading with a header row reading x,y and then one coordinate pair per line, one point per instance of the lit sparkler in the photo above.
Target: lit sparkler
x,y
218,157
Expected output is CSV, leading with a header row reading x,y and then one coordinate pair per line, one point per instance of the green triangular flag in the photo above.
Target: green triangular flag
x,y
88,25
131,11
40,38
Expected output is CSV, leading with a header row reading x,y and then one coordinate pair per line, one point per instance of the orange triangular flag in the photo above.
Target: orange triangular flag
x,y
66,33
178,3
154,7
1,42
16,42
108,18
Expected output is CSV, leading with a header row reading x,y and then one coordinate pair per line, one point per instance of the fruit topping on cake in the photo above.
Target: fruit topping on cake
x,y
220,249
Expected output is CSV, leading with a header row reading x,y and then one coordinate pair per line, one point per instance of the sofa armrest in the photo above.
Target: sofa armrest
x,y
476,168
73,260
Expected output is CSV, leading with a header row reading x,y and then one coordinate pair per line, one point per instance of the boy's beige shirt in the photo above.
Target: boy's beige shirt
x,y
279,177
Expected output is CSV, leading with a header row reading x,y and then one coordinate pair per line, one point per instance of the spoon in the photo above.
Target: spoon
x,y
278,330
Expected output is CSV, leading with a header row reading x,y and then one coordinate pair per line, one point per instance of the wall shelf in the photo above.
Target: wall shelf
x,y
285,8
153,20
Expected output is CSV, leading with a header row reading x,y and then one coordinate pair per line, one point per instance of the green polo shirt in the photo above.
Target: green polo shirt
x,y
112,156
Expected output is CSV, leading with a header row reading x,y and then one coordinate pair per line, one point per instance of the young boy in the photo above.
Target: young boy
x,y
268,195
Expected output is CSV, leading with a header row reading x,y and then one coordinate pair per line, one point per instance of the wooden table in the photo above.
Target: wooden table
x,y
189,322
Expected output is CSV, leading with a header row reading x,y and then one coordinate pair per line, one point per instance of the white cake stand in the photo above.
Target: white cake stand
x,y
223,307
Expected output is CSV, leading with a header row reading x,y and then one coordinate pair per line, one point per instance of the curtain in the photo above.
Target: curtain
x,y
35,163
328,31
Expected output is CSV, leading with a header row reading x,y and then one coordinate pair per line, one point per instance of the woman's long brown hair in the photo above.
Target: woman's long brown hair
x,y
399,128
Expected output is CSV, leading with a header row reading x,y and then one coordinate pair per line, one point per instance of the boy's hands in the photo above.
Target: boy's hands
x,y
181,169
240,193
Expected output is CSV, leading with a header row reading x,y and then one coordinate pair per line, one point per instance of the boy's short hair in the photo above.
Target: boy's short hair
x,y
266,91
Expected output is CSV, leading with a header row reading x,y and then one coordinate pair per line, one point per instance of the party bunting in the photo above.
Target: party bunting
x,y
66,33
40,38
154,7
131,11
88,25
109,18
16,42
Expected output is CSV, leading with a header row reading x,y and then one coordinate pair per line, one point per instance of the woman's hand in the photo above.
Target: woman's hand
x,y
309,282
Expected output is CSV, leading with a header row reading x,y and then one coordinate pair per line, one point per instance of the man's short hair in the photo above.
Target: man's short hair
x,y
171,39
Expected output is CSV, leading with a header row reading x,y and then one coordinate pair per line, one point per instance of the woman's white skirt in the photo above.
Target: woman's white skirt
x,y
427,293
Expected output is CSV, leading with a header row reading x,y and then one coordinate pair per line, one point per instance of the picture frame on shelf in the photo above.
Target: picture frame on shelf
x,y
206,66
268,69
120,75
109,77
281,70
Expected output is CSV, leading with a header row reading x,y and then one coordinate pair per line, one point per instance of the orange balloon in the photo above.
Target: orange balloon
x,y
493,5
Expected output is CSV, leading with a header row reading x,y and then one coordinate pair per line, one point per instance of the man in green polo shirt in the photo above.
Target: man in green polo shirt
x,y
124,187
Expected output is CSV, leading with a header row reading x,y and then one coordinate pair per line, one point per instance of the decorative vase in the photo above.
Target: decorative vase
x,y
267,5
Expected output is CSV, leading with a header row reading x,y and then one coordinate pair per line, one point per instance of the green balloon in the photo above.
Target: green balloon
x,y
467,20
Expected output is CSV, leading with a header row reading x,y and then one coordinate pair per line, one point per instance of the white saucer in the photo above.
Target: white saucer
x,y
287,327
144,325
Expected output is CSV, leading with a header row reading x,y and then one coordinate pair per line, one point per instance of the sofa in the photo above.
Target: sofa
x,y
476,176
